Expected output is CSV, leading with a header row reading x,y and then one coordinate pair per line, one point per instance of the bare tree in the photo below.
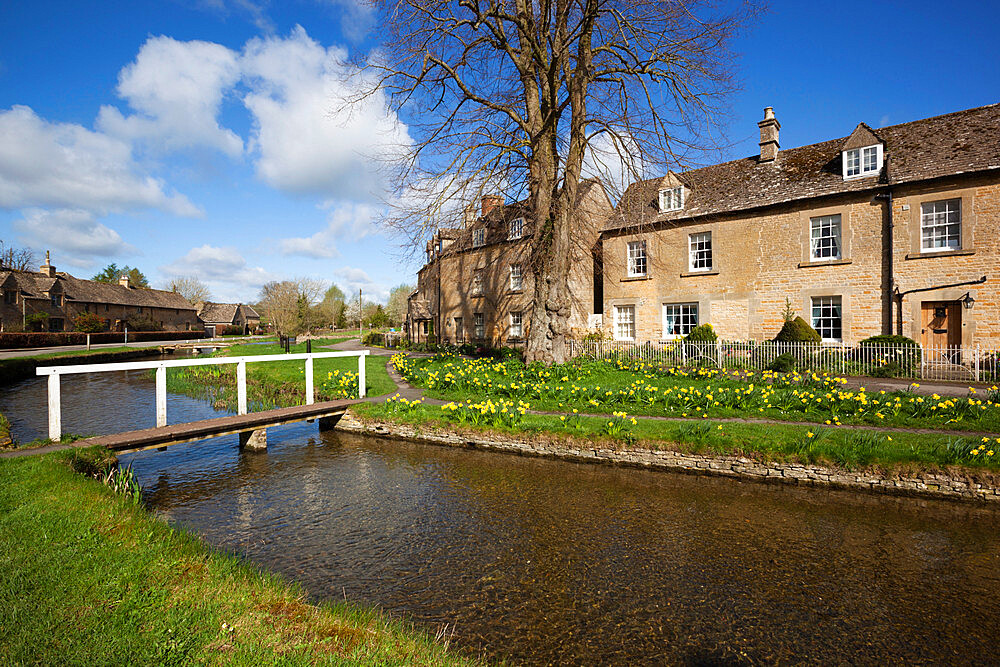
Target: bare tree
x,y
280,301
190,288
396,306
529,98
16,259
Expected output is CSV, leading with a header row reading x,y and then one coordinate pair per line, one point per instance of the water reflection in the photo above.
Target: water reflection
x,y
547,562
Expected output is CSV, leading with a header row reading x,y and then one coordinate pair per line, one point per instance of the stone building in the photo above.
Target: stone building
x,y
477,284
888,230
215,317
53,299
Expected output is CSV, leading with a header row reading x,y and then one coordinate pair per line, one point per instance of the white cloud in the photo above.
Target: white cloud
x,y
347,221
357,17
73,231
65,165
305,140
177,89
218,265
352,279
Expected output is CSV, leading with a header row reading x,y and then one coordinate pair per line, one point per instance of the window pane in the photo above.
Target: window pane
x,y
701,251
941,225
679,319
637,258
825,237
826,317
853,158
625,322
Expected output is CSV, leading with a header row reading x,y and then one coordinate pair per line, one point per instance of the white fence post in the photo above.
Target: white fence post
x,y
977,362
161,396
241,388
55,409
310,394
361,375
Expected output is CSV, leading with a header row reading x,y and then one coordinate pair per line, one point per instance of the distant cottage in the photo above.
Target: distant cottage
x,y
219,318
49,300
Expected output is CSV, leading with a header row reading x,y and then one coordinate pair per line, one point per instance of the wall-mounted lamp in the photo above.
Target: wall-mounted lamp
x,y
967,301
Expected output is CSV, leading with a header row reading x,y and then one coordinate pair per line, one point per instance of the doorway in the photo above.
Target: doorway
x,y
941,329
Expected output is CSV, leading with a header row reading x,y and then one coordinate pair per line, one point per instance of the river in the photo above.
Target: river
x,y
548,562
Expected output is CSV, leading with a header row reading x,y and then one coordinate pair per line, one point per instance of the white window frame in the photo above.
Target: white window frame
x,y
863,155
478,237
515,229
671,199
928,221
826,227
479,326
698,249
628,322
684,314
637,259
477,283
516,325
816,319
516,278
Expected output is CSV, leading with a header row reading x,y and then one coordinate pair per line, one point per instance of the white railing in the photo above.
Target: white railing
x,y
54,373
974,364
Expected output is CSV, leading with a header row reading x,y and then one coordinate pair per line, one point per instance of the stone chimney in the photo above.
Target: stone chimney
x,y
469,216
490,202
47,267
123,280
769,136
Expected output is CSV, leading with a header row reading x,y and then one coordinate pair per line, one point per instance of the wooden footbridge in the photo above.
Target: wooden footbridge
x,y
250,426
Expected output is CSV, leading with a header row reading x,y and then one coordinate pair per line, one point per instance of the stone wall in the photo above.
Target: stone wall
x,y
923,485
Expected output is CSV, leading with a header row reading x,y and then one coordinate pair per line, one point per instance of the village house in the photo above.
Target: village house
x,y
50,300
477,284
218,318
887,230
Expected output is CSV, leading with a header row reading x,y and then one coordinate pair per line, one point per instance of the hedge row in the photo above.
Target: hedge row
x,y
10,341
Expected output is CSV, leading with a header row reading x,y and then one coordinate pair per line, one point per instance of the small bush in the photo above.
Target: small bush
x,y
89,323
231,330
783,363
703,333
889,340
797,331
889,369
137,322
892,355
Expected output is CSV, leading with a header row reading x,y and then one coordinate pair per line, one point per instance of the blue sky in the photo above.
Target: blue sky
x,y
199,137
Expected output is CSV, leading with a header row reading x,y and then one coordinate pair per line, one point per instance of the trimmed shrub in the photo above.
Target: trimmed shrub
x,y
797,331
783,363
891,355
231,330
703,333
89,323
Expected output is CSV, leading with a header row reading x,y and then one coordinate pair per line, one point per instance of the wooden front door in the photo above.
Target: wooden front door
x,y
941,324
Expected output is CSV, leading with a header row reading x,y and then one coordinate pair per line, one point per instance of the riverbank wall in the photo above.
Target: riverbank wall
x,y
940,485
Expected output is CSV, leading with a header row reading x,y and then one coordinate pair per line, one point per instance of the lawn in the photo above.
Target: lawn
x,y
281,384
89,577
646,389
850,449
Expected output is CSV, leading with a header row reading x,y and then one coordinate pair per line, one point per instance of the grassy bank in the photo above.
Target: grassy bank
x,y
87,577
848,449
280,384
646,389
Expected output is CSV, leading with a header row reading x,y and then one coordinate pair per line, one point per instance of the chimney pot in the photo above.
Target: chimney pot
x,y
123,280
769,136
47,267
490,202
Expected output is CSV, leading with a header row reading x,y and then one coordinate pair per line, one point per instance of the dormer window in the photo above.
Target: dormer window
x,y
478,238
671,199
515,229
865,161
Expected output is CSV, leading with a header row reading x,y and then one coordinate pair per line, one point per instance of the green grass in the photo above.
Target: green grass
x,y
87,577
605,387
850,449
280,384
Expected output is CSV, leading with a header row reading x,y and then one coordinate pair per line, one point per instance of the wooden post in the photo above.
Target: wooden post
x,y
241,388
161,396
55,409
361,375
310,394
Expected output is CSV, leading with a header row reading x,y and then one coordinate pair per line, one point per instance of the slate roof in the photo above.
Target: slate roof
x,y
225,313
956,143
35,284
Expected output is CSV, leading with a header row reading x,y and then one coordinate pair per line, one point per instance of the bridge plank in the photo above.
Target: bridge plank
x,y
209,428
